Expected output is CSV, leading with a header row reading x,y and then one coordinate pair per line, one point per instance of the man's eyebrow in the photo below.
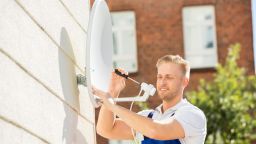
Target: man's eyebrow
x,y
169,75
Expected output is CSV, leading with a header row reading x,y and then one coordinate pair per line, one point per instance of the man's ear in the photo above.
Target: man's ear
x,y
185,82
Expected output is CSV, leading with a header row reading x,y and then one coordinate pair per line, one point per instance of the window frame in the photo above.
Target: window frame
x,y
197,57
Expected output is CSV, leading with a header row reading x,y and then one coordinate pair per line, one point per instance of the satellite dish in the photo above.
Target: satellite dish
x,y
99,49
99,52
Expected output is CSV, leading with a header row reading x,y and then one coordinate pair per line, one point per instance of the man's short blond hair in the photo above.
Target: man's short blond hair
x,y
177,60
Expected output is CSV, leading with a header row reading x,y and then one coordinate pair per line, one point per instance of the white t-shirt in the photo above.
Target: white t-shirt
x,y
191,118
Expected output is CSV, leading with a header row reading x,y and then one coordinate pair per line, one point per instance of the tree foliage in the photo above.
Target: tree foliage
x,y
228,101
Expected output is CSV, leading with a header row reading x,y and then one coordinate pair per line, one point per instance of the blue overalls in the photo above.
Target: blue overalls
x,y
148,140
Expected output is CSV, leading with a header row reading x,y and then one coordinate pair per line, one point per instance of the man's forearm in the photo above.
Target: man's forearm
x,y
139,123
105,121
162,130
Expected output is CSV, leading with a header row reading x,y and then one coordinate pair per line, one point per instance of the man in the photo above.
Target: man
x,y
175,121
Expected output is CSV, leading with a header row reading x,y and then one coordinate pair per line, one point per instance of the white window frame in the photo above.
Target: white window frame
x,y
130,62
254,31
195,52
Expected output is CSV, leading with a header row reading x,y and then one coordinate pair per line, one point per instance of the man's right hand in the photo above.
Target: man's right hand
x,y
117,83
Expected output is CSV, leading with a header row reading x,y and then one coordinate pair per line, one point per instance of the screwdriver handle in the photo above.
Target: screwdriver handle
x,y
120,74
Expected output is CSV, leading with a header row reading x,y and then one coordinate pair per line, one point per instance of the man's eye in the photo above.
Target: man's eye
x,y
169,77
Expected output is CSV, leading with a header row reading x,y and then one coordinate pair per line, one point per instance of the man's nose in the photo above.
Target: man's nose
x,y
163,81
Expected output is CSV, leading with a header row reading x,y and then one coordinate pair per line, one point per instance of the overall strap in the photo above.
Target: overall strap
x,y
150,115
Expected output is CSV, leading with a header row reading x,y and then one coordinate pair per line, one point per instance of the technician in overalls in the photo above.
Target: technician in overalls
x,y
175,121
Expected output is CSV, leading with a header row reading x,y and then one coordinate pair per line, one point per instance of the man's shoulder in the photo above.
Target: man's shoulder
x,y
191,111
192,119
190,107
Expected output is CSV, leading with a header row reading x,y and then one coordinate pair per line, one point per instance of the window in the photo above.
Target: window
x,y
124,41
199,32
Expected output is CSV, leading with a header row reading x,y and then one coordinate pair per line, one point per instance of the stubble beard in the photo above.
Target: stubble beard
x,y
168,96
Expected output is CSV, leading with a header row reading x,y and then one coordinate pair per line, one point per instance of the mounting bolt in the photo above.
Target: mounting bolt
x,y
81,80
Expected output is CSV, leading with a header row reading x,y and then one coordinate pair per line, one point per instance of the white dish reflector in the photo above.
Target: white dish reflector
x,y
99,49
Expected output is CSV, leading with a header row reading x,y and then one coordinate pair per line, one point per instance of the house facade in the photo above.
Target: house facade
x,y
198,30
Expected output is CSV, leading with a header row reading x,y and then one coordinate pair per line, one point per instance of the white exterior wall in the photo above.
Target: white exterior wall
x,y
42,49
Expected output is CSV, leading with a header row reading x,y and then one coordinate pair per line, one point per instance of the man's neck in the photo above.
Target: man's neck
x,y
169,104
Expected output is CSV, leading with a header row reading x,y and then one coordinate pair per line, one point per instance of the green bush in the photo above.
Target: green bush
x,y
229,102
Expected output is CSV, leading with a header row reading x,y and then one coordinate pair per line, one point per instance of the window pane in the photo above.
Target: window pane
x,y
200,36
124,40
128,39
209,37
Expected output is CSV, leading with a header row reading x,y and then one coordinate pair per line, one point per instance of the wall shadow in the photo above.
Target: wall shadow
x,y
70,134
